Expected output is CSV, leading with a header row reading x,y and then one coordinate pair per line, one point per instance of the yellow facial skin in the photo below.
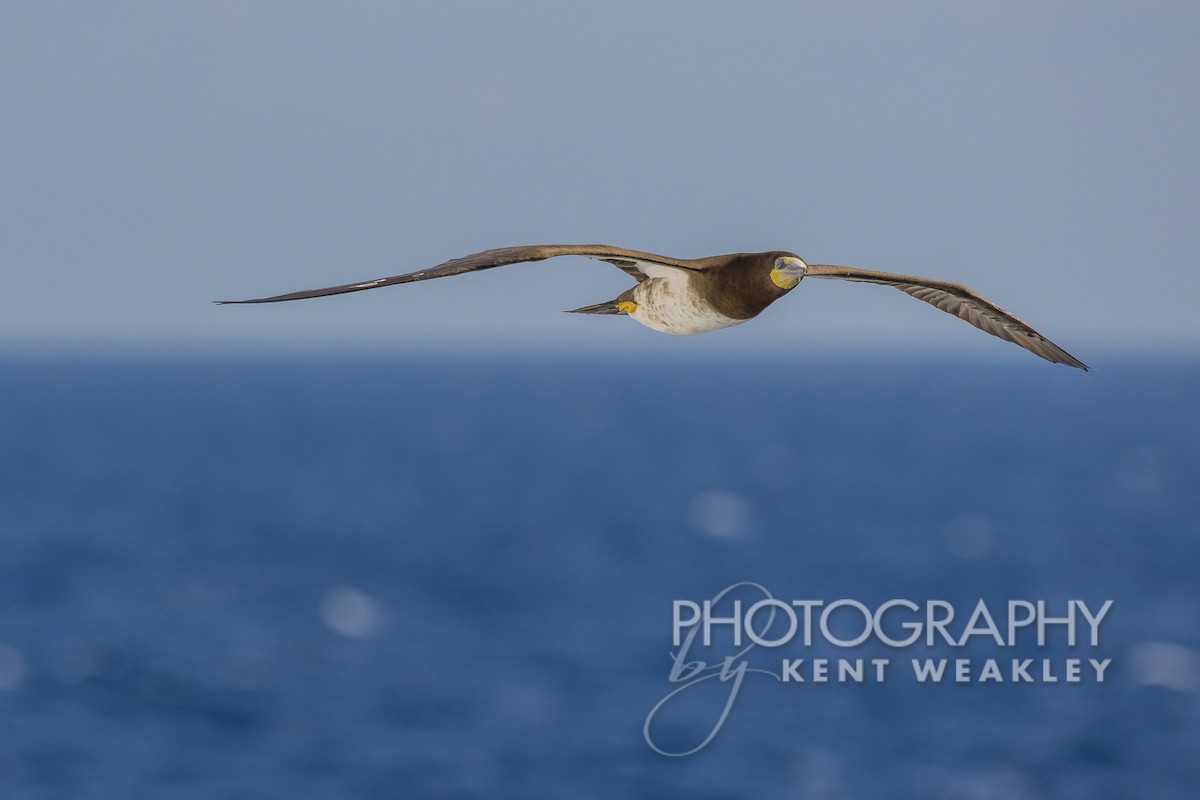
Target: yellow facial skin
x,y
783,280
788,272
627,306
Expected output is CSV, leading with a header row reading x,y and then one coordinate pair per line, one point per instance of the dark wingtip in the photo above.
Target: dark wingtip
x,y
1075,362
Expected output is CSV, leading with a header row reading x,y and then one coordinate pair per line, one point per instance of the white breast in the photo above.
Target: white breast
x,y
666,303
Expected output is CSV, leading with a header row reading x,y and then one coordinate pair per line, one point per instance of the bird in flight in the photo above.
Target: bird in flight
x,y
686,296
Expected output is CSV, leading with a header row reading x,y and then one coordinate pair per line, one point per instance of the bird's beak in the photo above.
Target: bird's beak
x,y
788,272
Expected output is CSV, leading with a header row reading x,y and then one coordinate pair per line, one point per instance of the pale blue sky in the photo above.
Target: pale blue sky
x,y
157,156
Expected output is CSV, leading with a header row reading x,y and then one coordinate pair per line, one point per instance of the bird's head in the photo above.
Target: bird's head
x,y
788,271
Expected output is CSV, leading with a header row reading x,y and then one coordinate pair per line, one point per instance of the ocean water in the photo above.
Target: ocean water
x,y
389,579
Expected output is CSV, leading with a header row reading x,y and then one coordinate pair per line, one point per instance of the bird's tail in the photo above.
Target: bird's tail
x,y
611,307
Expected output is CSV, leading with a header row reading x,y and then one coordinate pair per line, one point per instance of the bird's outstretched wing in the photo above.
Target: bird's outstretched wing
x,y
956,299
633,262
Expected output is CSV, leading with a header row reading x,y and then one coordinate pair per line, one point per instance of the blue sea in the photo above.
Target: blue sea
x,y
377,579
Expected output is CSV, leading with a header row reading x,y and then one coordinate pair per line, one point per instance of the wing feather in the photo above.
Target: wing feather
x,y
956,299
629,261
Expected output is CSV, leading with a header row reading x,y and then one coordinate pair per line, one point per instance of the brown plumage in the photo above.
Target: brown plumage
x,y
688,296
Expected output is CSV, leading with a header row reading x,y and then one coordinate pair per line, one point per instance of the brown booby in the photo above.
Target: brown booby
x,y
686,296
